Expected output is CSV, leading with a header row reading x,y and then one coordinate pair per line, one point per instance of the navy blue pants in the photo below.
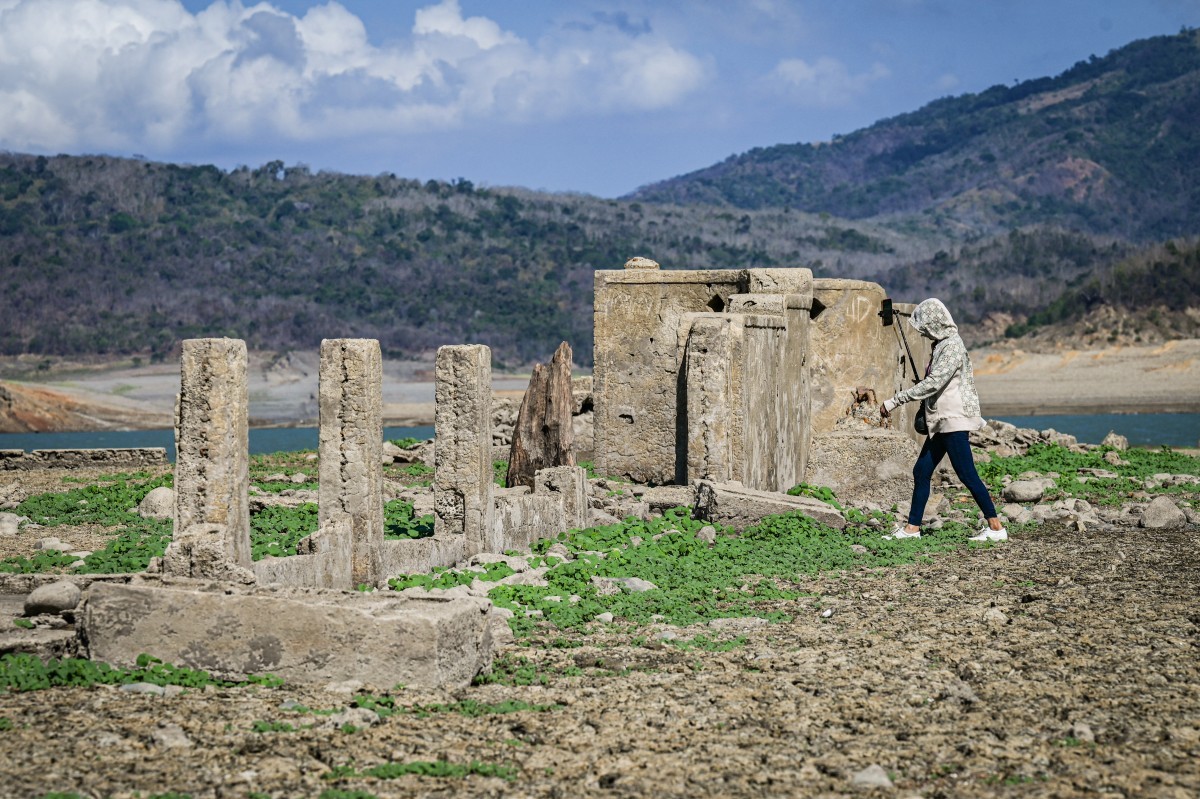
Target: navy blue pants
x,y
958,446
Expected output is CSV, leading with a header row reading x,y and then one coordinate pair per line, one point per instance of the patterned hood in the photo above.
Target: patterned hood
x,y
932,319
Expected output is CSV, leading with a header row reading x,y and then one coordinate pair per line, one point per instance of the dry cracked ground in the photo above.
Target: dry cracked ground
x,y
1060,664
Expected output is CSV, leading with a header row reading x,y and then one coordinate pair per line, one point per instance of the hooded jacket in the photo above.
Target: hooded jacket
x,y
948,390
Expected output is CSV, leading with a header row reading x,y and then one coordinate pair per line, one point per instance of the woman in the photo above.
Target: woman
x,y
952,412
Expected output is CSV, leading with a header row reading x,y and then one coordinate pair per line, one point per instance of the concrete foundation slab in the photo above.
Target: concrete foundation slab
x,y
302,636
739,507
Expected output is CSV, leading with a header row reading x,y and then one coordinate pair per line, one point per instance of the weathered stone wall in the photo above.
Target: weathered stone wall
x,y
746,405
849,347
124,457
463,487
637,355
212,482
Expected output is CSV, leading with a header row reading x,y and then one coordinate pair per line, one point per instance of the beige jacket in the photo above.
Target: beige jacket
x,y
948,390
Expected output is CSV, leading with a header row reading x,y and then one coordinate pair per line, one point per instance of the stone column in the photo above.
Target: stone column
x,y
462,449
212,476
351,451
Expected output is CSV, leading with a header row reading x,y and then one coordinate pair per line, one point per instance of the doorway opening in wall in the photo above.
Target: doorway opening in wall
x,y
717,304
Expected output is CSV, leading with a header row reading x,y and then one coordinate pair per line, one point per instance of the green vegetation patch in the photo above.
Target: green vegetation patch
x,y
1131,476
108,503
695,581
23,672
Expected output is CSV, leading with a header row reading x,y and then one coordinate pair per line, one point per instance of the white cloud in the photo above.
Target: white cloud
x,y
148,75
948,82
824,83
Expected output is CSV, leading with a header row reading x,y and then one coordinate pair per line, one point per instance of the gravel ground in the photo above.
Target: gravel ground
x,y
1060,664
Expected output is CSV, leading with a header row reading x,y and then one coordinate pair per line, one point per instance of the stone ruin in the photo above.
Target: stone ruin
x,y
723,386
749,376
212,607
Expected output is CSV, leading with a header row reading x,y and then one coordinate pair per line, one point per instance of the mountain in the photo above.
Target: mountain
x,y
102,255
1111,146
1025,208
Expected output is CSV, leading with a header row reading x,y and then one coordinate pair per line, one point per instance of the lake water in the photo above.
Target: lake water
x,y
262,440
1142,430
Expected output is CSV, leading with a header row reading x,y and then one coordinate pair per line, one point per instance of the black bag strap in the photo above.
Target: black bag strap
x,y
912,363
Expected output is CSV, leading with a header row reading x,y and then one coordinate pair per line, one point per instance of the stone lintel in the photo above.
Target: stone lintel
x,y
723,276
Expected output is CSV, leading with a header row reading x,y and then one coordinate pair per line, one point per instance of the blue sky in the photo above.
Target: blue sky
x,y
596,96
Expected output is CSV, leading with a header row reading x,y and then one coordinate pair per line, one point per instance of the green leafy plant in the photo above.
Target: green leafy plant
x,y
23,672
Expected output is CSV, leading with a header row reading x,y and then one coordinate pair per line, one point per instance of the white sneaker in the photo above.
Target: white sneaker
x,y
901,531
988,534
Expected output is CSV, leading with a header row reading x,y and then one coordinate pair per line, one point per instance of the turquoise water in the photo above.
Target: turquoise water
x,y
262,440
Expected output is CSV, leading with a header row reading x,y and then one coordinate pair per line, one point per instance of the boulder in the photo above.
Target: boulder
x,y
10,523
1028,490
1163,514
1117,442
158,504
53,598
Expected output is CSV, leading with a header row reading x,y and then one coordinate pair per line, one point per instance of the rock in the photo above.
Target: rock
x,y
1027,490
357,717
53,598
299,478
158,504
149,689
605,618
1081,731
559,550
608,586
598,518
10,523
873,776
1114,459
1117,442
995,617
52,543
641,263
1162,514
171,736
707,533
858,549
663,498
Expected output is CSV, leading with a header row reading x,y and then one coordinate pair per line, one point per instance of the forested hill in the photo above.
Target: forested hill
x,y
104,255
1111,146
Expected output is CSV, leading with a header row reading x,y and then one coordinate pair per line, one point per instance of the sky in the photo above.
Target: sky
x,y
592,96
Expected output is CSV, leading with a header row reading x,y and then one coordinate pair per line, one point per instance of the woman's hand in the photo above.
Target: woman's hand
x,y
885,410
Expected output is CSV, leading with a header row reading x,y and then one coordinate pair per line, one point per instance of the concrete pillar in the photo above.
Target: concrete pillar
x,y
570,484
463,477
350,495
212,482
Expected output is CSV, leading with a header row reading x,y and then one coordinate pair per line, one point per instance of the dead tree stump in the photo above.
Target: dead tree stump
x,y
542,437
